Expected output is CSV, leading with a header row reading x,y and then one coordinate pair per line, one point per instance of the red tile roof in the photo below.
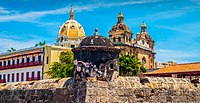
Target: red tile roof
x,y
179,68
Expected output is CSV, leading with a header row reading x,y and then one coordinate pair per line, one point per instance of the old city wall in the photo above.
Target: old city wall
x,y
122,90
130,90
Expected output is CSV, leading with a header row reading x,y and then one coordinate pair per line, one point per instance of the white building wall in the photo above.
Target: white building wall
x,y
34,69
11,62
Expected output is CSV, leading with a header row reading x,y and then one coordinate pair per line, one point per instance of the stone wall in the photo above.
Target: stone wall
x,y
130,90
122,90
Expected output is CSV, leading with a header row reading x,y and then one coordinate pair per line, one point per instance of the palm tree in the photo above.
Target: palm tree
x,y
64,68
11,49
130,65
40,44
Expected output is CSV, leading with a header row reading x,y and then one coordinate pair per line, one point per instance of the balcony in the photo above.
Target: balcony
x,y
2,81
28,64
33,78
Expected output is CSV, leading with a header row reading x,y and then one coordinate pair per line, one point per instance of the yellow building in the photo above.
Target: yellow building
x,y
142,46
29,63
71,33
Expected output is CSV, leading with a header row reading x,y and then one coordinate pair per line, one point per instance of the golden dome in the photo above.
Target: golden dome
x,y
71,32
72,29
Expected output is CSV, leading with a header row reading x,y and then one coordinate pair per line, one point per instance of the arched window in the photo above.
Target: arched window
x,y
111,66
114,39
143,42
64,27
72,46
72,27
129,40
119,39
144,61
151,60
61,39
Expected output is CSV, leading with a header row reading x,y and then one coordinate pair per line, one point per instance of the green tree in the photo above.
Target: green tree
x,y
11,49
40,44
64,68
130,65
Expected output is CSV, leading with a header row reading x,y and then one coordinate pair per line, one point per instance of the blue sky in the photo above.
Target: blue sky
x,y
174,25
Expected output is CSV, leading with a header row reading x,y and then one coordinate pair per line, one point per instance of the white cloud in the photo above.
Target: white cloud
x,y
8,43
163,55
21,41
169,14
189,29
5,11
33,16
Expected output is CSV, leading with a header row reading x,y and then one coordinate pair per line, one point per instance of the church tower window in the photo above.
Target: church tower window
x,y
119,39
61,39
114,39
143,42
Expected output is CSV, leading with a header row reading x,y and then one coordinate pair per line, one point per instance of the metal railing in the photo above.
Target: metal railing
x,y
28,64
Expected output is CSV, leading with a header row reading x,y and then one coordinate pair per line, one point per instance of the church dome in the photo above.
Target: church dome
x,y
71,33
96,40
120,27
71,29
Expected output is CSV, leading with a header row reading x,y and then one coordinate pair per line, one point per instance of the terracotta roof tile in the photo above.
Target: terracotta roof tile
x,y
188,67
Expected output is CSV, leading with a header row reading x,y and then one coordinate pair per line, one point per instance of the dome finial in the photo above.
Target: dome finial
x,y
96,31
120,14
143,24
120,18
71,14
143,27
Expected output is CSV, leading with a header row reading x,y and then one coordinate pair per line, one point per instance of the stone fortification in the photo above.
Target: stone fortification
x,y
122,90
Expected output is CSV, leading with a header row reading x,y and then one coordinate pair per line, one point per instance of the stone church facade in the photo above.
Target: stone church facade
x,y
142,46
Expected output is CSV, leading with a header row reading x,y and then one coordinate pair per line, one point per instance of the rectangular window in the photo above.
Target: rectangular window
x,y
22,76
33,75
28,60
8,77
47,60
8,62
39,58
13,62
33,59
38,75
4,63
17,77
4,76
13,77
0,63
0,77
17,61
27,76
22,60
